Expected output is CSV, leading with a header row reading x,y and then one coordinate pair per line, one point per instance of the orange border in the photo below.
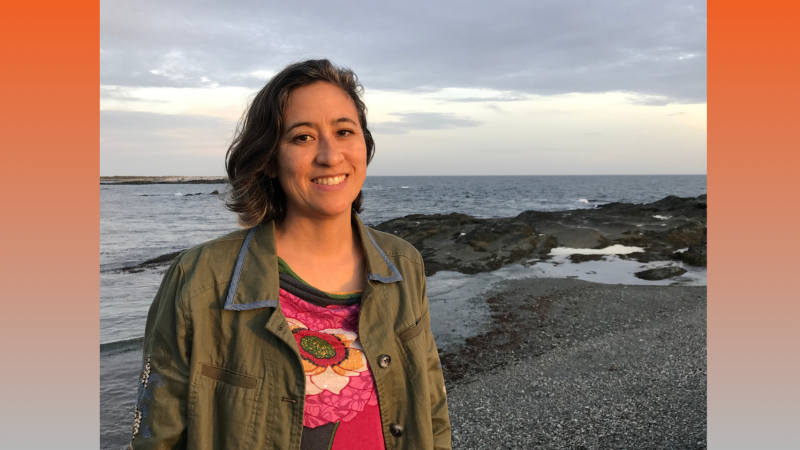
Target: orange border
x,y
753,356
49,326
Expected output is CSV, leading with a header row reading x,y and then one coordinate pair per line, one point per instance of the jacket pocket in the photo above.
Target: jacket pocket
x,y
422,325
221,407
228,377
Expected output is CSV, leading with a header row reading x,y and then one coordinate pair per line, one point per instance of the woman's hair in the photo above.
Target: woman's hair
x,y
254,196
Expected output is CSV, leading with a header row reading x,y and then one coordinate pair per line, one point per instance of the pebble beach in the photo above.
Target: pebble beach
x,y
570,364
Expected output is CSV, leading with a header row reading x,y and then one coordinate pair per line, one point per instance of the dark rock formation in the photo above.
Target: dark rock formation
x,y
469,245
660,273
583,258
694,256
214,192
159,260
466,244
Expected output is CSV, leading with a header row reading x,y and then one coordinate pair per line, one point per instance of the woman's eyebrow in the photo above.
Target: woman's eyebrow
x,y
300,124
343,119
312,124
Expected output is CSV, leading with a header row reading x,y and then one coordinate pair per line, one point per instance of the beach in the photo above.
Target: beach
x,y
569,364
575,322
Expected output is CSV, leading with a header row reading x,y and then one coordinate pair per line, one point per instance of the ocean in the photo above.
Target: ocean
x,y
140,222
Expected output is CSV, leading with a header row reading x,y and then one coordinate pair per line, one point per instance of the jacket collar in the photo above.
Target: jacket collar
x,y
255,283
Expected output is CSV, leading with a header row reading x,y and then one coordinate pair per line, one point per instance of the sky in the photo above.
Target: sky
x,y
551,87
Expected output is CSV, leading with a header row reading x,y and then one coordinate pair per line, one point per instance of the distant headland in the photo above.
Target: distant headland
x,y
162,180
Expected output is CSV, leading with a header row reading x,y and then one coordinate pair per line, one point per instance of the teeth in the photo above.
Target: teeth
x,y
330,181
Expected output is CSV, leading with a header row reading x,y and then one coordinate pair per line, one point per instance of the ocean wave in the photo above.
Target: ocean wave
x,y
125,346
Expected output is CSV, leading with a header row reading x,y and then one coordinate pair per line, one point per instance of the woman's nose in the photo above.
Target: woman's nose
x,y
328,152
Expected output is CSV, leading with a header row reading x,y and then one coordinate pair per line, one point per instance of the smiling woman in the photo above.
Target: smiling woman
x,y
306,330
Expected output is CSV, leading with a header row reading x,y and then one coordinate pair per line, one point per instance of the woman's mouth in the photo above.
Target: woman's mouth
x,y
329,181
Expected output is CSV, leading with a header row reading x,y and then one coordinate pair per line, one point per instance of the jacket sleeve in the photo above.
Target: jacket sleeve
x,y
439,413
161,406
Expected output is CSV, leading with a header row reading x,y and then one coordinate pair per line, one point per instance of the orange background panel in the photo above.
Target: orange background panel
x,y
753,354
49,324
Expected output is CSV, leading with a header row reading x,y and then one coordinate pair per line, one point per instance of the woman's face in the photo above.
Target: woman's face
x,y
322,155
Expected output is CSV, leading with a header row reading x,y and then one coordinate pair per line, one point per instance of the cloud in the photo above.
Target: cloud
x,y
135,143
153,124
422,121
542,48
515,98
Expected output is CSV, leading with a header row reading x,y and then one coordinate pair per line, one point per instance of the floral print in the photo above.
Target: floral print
x,y
330,357
338,381
328,407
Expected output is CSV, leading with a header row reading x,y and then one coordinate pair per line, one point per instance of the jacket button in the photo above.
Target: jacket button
x,y
384,361
396,429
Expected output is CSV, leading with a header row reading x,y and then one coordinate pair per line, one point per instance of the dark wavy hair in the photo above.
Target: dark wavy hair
x,y
254,196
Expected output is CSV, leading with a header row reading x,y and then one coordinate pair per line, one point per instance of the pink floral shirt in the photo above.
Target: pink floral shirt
x,y
339,384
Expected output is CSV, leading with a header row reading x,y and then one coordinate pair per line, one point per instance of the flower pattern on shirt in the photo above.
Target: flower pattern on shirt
x,y
339,383
330,357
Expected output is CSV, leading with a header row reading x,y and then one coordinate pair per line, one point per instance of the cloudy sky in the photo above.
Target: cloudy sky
x,y
453,88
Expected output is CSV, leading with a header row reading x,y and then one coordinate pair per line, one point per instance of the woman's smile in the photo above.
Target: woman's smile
x,y
330,182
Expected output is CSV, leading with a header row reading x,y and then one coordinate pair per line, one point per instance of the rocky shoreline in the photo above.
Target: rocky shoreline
x,y
670,229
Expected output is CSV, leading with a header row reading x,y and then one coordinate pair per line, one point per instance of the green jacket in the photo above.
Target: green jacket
x,y
221,369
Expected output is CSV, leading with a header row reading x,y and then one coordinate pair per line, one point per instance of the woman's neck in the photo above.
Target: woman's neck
x,y
326,253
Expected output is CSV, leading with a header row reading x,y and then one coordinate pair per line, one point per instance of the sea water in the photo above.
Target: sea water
x,y
140,222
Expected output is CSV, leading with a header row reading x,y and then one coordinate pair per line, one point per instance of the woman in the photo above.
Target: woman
x,y
306,330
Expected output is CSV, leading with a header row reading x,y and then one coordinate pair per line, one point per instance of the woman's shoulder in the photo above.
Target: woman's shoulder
x,y
210,262
393,245
222,245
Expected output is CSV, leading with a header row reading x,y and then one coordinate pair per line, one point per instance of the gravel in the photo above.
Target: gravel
x,y
570,364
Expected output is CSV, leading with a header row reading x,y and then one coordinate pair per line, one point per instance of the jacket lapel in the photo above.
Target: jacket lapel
x,y
379,268
255,282
255,276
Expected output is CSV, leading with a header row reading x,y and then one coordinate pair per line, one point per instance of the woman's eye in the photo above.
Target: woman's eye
x,y
302,138
344,133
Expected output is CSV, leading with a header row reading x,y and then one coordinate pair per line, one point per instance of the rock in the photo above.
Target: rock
x,y
572,237
159,260
470,245
660,273
584,258
466,244
694,256
214,192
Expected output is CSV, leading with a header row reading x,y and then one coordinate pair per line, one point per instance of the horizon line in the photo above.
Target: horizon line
x,y
467,175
